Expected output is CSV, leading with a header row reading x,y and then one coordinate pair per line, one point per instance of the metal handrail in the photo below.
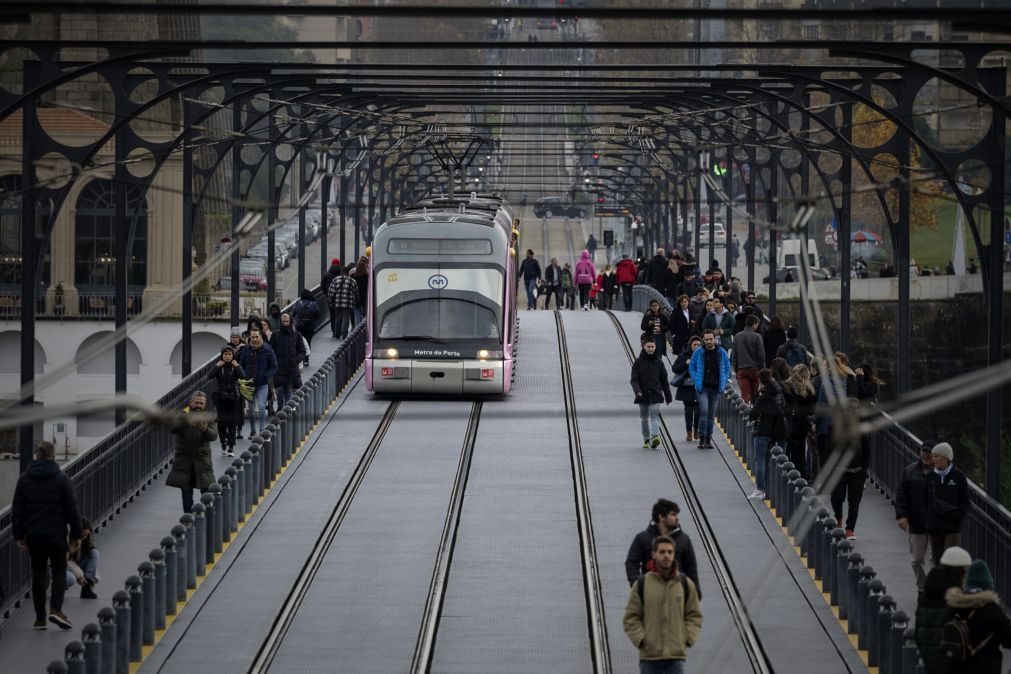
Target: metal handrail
x,y
111,474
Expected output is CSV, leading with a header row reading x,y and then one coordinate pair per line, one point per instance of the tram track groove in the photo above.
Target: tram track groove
x,y
425,647
731,594
599,645
293,601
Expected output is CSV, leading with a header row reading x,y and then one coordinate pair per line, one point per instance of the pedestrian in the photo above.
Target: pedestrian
x,y
591,246
43,510
585,276
665,520
360,274
838,382
82,563
792,351
654,322
608,288
749,301
911,509
748,358
568,287
332,272
289,352
594,292
258,364
769,417
680,324
274,316
700,307
800,398
530,271
625,273
664,619
192,467
849,487
710,370
656,270
553,284
979,607
227,398
306,312
773,338
342,296
650,384
932,610
721,323
686,387
947,501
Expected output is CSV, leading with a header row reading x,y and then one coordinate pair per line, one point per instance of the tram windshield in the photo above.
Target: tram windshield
x,y
439,302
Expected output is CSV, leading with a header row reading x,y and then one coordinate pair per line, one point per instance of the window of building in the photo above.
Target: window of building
x,y
10,233
95,237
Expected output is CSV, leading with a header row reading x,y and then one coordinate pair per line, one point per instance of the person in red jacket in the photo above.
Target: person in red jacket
x,y
625,274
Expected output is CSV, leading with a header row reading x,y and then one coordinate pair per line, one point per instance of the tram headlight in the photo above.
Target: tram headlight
x,y
392,353
482,354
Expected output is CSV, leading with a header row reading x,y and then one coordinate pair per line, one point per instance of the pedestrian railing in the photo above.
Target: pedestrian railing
x,y
109,475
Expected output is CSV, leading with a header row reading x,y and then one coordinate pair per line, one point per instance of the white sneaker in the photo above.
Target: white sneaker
x,y
758,495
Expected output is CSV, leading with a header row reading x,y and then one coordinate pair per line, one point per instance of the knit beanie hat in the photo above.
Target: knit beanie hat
x,y
956,556
978,576
944,449
336,262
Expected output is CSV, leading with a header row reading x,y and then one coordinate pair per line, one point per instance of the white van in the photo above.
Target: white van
x,y
789,253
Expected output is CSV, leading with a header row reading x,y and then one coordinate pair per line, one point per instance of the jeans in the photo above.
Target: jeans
x,y
531,286
357,315
661,666
342,319
89,567
747,377
691,417
626,295
918,557
661,344
707,410
258,409
760,444
46,553
649,419
850,489
284,394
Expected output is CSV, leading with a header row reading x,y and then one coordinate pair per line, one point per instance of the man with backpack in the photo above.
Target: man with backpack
x,y
792,351
306,313
972,639
662,617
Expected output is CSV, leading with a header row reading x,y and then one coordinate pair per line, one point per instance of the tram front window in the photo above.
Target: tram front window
x,y
440,319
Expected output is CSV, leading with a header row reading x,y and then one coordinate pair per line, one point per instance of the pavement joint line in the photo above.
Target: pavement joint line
x,y
181,605
795,546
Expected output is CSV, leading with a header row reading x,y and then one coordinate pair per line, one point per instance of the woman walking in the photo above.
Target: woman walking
x,y
686,388
226,374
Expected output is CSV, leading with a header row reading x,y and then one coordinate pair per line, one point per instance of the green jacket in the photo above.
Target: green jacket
x,y
670,622
712,321
192,466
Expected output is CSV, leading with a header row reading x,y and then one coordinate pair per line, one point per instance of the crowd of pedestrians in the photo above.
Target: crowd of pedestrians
x,y
582,286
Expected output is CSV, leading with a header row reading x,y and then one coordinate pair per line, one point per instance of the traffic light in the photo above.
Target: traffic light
x,y
600,199
720,169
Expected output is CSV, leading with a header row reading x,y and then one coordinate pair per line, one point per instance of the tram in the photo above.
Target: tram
x,y
442,299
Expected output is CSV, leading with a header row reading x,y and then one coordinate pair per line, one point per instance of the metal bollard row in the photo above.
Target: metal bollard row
x,y
163,580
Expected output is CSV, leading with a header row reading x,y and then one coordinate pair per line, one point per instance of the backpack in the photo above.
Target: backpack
x,y
956,642
640,583
794,354
305,313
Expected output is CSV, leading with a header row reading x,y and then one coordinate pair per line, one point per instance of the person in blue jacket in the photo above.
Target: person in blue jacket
x,y
710,370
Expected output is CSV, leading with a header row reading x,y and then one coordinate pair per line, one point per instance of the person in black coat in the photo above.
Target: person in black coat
x,y
333,272
989,629
43,509
290,352
772,339
932,610
911,509
680,324
654,323
947,501
226,374
651,386
686,388
665,521
656,270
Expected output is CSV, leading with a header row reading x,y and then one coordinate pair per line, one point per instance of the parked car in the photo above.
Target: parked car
x,y
816,275
719,231
252,273
548,207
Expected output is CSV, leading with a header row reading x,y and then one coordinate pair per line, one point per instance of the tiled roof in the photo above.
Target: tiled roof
x,y
56,121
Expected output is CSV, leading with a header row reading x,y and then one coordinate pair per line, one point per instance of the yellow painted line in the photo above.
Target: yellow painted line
x,y
170,619
795,545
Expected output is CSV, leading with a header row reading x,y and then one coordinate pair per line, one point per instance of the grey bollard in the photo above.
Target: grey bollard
x,y
73,656
869,622
247,482
808,504
207,500
892,661
190,524
775,477
107,619
124,621
217,517
853,565
782,489
200,537
274,465
182,561
266,456
786,511
227,482
843,549
814,540
826,553
795,513
878,653
863,589
282,435
168,548
57,667
135,588
256,480
830,565
146,570
157,558
91,635
290,440
240,491
910,651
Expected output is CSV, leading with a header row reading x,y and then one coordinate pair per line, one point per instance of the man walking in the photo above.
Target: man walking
x,y
710,370
43,508
192,467
721,323
342,295
748,358
625,274
651,387
662,616
911,509
665,520
553,284
530,270
947,502
260,365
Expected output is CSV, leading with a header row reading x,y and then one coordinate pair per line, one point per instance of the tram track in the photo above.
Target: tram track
x,y
738,609
599,645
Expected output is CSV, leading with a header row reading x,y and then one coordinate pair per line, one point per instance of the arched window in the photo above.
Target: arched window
x,y
10,233
95,237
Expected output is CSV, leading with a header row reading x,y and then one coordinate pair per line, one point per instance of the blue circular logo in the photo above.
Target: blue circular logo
x,y
437,282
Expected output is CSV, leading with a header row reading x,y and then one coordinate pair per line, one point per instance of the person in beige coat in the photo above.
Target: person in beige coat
x,y
662,617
